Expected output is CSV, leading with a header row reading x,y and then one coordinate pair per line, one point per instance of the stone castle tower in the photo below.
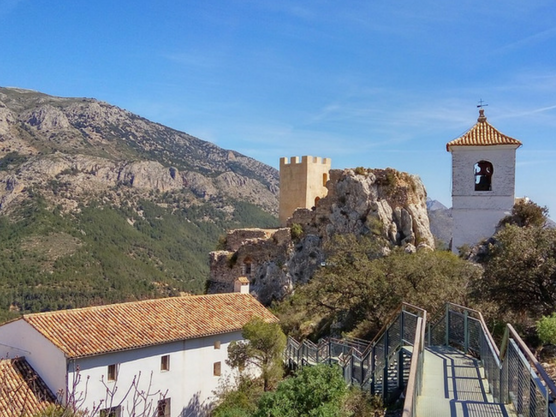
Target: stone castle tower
x,y
483,181
302,184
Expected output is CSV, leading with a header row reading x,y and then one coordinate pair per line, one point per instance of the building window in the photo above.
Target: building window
x,y
165,363
324,179
483,176
112,372
217,369
246,267
110,412
163,408
217,344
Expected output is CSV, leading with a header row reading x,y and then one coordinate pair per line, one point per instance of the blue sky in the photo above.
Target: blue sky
x,y
366,83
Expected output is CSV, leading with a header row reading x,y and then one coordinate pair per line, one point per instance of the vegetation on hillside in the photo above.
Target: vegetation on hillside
x,y
105,253
512,277
359,287
519,261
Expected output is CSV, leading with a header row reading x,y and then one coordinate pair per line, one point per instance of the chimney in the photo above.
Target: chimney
x,y
241,285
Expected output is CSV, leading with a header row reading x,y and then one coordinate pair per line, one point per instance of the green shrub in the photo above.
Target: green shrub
x,y
296,231
546,329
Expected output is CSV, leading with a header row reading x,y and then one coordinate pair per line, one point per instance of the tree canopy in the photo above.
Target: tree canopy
x,y
313,391
520,270
359,287
262,348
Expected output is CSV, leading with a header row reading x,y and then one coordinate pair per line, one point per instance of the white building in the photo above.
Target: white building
x,y
173,350
483,181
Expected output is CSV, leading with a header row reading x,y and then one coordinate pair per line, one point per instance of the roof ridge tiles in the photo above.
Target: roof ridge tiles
x,y
483,134
100,329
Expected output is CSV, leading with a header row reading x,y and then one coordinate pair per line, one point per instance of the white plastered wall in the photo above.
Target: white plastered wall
x,y
18,338
476,213
189,382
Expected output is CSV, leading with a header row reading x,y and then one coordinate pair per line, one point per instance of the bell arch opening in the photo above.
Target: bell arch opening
x,y
483,176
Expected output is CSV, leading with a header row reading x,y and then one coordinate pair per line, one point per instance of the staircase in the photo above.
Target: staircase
x,y
448,368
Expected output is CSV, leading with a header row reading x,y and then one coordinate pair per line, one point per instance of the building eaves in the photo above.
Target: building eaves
x,y
104,329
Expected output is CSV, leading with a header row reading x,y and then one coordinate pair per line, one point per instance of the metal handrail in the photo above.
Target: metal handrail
x,y
513,373
403,306
414,381
483,325
382,362
511,333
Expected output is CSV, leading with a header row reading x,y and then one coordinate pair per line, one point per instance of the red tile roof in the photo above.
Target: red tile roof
x,y
96,330
22,391
483,134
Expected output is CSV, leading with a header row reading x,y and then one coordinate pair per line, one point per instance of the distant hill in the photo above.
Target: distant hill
x,y
101,205
441,222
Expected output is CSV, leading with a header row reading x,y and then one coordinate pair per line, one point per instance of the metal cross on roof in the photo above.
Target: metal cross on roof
x,y
481,104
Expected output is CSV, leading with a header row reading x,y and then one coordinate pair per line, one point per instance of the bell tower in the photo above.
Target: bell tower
x,y
483,181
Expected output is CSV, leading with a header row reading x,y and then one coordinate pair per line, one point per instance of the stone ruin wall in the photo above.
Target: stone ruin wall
x,y
386,203
258,254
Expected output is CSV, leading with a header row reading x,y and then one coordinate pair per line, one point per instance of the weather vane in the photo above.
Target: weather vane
x,y
481,104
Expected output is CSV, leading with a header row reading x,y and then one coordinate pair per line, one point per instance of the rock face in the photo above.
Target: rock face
x,y
90,147
386,201
387,204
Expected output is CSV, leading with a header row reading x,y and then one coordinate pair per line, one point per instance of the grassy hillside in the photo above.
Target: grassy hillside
x,y
106,253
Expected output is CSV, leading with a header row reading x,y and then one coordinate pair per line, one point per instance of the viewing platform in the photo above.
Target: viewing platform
x,y
448,367
454,385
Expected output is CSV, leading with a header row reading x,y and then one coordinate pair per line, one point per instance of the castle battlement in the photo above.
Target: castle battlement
x,y
302,183
305,160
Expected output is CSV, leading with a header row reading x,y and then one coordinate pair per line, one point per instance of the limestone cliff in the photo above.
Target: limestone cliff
x,y
386,204
90,146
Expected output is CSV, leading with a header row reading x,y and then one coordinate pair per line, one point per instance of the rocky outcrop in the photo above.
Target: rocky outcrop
x,y
384,204
90,146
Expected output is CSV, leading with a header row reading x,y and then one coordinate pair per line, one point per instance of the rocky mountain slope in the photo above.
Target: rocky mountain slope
x,y
100,205
92,146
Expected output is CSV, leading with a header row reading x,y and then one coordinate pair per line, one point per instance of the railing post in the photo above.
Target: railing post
x,y
465,331
447,333
400,369
317,355
386,365
402,324
373,369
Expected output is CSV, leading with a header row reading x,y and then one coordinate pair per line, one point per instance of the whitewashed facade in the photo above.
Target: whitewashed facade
x,y
483,182
183,374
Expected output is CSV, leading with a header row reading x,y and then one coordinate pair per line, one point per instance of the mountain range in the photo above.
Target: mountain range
x,y
99,205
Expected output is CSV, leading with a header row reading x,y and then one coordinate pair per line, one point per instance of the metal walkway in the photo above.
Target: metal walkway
x,y
449,367
454,385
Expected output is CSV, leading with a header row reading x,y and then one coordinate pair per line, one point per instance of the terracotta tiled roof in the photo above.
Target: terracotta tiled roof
x,y
482,134
95,330
22,391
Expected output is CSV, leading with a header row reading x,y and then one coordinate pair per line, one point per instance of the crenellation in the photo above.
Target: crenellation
x,y
302,184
